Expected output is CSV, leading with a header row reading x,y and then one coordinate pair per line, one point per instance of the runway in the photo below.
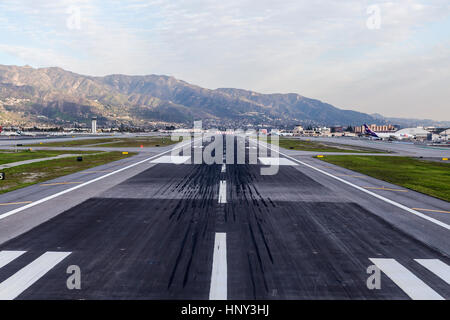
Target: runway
x,y
171,228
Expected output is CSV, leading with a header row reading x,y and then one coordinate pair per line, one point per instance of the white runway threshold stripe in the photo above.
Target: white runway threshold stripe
x,y
415,288
37,202
8,256
394,203
436,266
223,192
12,287
219,281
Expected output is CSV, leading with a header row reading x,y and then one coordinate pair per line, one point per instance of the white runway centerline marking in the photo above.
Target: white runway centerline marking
x,y
436,266
12,287
8,256
415,288
224,168
223,192
219,282
172,159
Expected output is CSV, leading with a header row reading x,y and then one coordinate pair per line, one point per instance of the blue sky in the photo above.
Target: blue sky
x,y
320,49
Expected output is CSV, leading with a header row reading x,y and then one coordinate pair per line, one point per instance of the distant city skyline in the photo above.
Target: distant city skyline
x,y
386,57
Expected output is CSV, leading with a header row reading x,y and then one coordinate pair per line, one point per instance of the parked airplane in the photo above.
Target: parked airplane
x,y
9,133
15,133
382,135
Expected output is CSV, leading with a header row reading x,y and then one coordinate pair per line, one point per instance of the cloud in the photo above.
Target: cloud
x,y
321,49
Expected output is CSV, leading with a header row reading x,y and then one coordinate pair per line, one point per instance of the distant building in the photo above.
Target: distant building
x,y
444,135
316,132
324,131
337,129
298,130
419,133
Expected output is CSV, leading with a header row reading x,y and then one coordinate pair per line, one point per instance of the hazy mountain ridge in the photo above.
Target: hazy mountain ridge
x,y
62,96
301,107
411,122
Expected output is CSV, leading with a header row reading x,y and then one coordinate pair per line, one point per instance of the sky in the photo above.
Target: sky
x,y
386,57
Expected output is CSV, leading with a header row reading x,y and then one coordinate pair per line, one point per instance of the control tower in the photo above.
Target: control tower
x,y
94,125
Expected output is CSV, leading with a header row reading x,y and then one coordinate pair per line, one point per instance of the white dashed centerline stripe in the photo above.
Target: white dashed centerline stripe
x,y
398,205
12,287
436,266
8,256
35,203
219,282
415,288
223,192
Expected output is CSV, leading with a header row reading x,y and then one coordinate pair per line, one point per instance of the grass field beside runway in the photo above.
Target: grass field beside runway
x,y
73,143
26,175
308,145
22,155
428,177
124,142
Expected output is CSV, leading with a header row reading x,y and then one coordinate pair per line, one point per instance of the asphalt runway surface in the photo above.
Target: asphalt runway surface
x,y
161,230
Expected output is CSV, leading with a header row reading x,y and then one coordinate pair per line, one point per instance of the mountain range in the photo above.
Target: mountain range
x,y
30,96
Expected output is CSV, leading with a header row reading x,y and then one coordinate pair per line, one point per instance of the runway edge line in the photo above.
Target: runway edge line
x,y
35,203
398,205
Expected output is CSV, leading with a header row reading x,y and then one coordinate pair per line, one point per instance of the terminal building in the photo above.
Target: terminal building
x,y
419,133
440,134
